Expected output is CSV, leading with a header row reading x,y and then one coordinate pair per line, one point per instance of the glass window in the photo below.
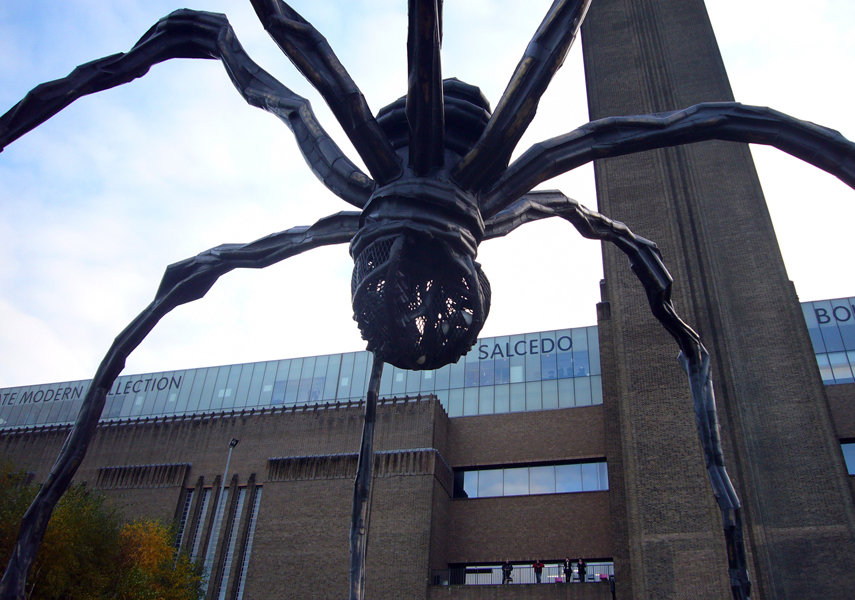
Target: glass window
x,y
824,368
580,352
549,390
594,349
533,399
516,482
844,316
428,380
472,373
208,388
849,456
603,475
518,397
487,376
542,480
590,477
280,382
230,393
828,326
414,379
267,383
399,381
597,390
568,478
246,379
502,400
455,403
332,374
566,393
490,483
456,375
532,357
292,388
840,367
218,397
501,361
184,391
470,484
443,376
813,327
517,353
345,377
306,379
583,391
361,365
485,400
470,401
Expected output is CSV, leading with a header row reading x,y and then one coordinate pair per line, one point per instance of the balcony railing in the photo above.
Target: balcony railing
x,y
521,574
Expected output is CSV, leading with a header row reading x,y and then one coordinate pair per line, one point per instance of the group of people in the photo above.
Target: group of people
x,y
581,569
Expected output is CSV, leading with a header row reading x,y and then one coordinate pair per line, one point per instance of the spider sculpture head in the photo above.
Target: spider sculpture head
x,y
419,297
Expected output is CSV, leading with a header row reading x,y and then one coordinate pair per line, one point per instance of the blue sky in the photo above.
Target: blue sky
x,y
97,201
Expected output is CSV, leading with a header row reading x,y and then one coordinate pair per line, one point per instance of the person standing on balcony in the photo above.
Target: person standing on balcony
x,y
582,567
568,569
507,568
538,569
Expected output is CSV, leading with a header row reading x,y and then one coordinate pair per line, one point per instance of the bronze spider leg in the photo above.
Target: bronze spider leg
x,y
194,34
361,508
182,282
545,54
617,136
312,55
646,262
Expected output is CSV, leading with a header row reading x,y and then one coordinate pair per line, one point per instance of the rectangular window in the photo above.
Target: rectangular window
x,y
849,456
556,478
253,519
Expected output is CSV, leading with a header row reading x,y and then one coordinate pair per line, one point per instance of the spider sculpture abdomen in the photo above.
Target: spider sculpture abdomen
x,y
418,294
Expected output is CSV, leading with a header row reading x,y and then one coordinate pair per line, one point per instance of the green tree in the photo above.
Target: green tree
x,y
88,554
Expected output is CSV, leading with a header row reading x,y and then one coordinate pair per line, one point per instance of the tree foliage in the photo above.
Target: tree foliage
x,y
89,554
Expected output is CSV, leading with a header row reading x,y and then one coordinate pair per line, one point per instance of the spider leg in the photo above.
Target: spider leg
x,y
425,103
183,282
618,136
314,58
543,57
646,262
193,34
362,485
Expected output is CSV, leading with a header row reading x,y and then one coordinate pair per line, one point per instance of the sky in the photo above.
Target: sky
x,y
98,200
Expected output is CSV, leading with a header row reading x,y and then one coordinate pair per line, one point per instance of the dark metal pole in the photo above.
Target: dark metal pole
x,y
362,486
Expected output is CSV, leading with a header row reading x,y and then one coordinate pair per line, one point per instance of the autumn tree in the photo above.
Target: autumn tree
x,y
88,554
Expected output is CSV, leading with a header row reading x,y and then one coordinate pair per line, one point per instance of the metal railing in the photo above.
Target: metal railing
x,y
521,574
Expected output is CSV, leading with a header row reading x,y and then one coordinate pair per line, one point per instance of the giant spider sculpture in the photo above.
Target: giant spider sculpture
x,y
440,184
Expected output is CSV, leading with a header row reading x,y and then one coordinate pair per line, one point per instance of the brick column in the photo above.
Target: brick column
x,y
704,206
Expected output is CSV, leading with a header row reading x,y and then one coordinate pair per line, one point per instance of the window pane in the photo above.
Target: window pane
x,y
828,326
345,377
594,349
485,400
533,399
455,403
472,372
604,475
456,375
549,390
470,401
532,358
490,483
590,477
813,327
568,478
844,316
516,482
824,368
331,382
428,381
502,401
597,389
583,391
840,367
517,397
542,480
849,456
399,381
470,484
580,352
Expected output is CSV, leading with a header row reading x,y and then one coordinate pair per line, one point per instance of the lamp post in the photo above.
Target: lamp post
x,y
215,529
